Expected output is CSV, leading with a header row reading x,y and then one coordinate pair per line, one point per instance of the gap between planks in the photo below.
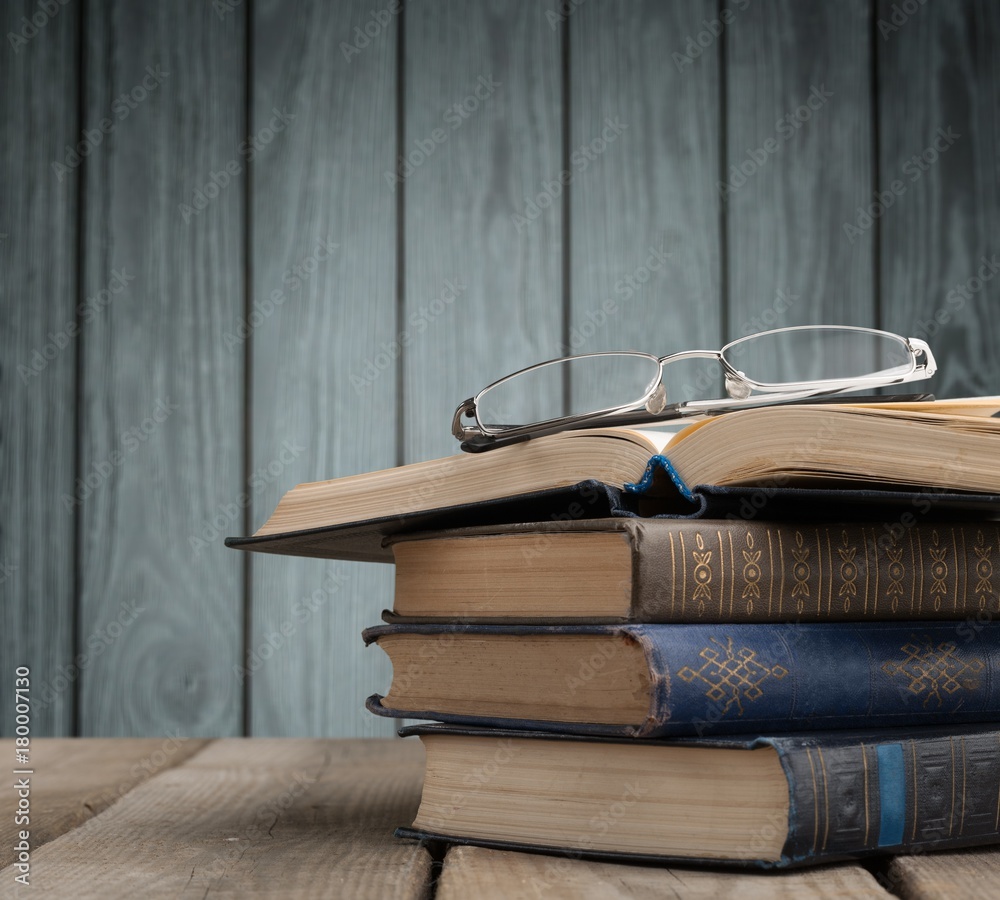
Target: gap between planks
x,y
75,779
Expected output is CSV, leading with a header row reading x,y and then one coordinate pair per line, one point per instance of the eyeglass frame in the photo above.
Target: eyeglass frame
x,y
652,407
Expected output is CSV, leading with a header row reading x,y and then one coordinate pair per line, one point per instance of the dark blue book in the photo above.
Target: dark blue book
x,y
657,680
767,801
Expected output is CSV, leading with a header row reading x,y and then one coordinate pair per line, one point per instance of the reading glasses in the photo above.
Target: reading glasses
x,y
780,366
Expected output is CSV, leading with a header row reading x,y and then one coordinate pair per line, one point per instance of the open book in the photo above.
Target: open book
x,y
946,446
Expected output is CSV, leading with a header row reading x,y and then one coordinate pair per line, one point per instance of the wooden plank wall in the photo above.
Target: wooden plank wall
x,y
305,230
38,358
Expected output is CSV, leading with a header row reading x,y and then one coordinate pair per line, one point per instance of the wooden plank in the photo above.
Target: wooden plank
x,y
318,410
487,874
969,875
482,134
798,164
939,91
74,779
644,223
257,817
161,404
37,387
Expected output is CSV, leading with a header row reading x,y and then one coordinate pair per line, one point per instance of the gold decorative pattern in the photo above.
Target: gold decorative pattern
x,y
984,570
895,573
939,570
751,573
702,573
800,572
848,571
755,572
932,669
731,675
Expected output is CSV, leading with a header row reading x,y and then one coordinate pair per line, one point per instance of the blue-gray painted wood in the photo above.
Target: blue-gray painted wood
x,y
323,392
644,155
281,378
161,393
37,363
798,163
939,97
483,276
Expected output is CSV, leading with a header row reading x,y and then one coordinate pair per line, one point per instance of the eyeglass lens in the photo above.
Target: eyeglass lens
x,y
783,357
570,387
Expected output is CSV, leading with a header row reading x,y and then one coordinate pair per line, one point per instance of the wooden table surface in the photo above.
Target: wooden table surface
x,y
255,817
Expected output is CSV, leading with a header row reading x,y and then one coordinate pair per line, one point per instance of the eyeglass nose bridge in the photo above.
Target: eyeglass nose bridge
x,y
657,400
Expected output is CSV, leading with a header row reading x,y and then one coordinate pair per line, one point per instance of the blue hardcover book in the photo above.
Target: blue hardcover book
x,y
657,680
763,800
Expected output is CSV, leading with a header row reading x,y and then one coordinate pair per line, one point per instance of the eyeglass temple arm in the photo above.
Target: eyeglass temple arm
x,y
919,347
459,429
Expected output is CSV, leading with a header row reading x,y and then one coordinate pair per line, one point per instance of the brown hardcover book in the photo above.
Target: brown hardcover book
x,y
676,570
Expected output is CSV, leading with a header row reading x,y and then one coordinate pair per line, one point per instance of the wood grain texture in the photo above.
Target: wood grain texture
x,y
804,170
323,403
969,875
77,778
485,79
644,256
37,377
252,818
161,409
939,72
488,874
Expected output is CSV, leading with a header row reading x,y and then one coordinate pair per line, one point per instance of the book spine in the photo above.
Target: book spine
x,y
760,572
890,796
719,679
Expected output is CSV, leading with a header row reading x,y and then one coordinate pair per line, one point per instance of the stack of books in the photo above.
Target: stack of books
x,y
768,639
